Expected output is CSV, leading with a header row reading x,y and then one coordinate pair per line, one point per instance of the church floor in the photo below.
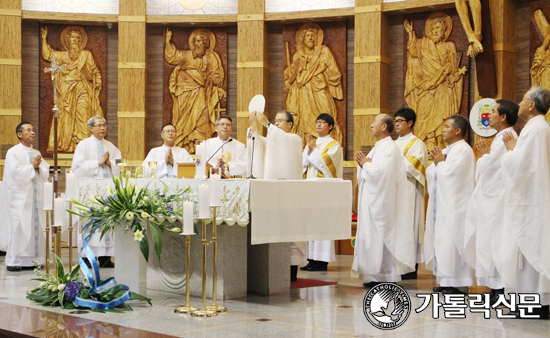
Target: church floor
x,y
325,311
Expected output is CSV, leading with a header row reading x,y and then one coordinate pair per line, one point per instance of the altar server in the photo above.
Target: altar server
x,y
278,156
322,158
224,143
21,203
384,245
484,204
522,241
451,184
95,157
166,156
415,158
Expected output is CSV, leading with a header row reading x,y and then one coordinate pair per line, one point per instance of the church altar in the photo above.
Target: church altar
x,y
254,258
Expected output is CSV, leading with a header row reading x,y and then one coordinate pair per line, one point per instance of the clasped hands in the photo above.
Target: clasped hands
x,y
105,159
36,161
437,155
361,158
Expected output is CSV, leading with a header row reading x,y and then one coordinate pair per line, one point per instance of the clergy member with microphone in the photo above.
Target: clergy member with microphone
x,y
217,146
167,155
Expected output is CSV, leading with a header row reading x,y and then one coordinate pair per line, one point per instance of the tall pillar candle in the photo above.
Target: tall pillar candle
x,y
188,216
214,190
48,196
204,205
70,184
59,210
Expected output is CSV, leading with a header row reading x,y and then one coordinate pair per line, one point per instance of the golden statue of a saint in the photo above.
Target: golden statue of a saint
x,y
540,69
196,87
433,83
313,80
78,85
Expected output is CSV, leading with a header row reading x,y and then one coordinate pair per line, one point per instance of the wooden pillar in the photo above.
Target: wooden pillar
x,y
503,20
10,70
371,69
132,80
252,60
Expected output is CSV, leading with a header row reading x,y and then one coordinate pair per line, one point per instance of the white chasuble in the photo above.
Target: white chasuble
x,y
238,163
451,184
521,235
384,245
482,211
86,165
164,169
415,158
278,156
21,202
327,161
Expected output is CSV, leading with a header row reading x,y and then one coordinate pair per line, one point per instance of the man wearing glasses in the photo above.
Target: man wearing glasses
x,y
415,157
322,158
95,157
218,146
167,155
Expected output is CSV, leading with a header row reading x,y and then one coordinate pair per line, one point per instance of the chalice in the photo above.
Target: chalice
x,y
153,166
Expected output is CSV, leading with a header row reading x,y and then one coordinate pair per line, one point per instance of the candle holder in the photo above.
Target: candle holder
x,y
215,306
71,229
70,193
187,308
204,312
48,248
56,232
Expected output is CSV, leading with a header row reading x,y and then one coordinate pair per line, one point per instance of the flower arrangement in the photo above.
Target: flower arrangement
x,y
70,291
133,206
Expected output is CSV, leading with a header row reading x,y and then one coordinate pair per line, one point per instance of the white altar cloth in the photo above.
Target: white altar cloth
x,y
300,210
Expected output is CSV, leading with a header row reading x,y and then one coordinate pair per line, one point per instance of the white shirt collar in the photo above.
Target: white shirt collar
x,y
96,139
406,137
540,117
450,146
324,138
385,139
499,134
27,148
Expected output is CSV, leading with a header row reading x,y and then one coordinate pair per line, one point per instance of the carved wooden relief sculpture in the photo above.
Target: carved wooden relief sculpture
x,y
540,69
433,82
78,87
313,80
474,35
196,87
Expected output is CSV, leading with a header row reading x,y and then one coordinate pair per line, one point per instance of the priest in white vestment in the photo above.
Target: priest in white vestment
x,y
384,244
95,157
166,156
224,144
523,239
451,184
484,204
21,203
278,156
322,158
415,158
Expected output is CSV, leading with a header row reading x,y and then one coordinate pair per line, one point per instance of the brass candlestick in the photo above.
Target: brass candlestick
x,y
70,236
215,306
204,312
56,230
187,308
47,231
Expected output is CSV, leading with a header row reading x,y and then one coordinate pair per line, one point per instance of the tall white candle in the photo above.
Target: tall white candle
x,y
59,210
214,190
70,184
204,211
188,218
200,161
48,196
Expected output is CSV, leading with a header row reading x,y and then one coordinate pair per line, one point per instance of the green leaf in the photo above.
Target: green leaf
x,y
60,268
39,279
74,273
137,296
157,240
61,297
69,305
144,247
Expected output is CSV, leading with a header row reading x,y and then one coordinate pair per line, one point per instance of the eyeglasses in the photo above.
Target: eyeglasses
x,y
169,131
399,121
279,121
30,130
100,126
321,122
225,124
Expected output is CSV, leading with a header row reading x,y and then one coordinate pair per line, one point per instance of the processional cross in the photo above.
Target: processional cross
x,y
54,69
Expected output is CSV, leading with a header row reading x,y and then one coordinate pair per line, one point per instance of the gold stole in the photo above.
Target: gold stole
x,y
328,160
414,161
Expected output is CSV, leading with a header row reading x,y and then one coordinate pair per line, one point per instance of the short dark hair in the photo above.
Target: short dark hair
x,y
289,117
461,122
388,120
407,113
19,128
167,124
510,109
224,117
328,119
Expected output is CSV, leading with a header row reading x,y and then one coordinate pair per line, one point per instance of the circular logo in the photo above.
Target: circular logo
x,y
479,117
387,306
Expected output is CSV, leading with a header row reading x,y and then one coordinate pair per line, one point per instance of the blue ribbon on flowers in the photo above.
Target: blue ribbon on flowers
x,y
94,279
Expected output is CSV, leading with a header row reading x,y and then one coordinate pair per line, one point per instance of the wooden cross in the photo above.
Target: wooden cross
x,y
218,110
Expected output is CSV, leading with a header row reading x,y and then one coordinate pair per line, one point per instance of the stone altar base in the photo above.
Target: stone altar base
x,y
168,274
130,265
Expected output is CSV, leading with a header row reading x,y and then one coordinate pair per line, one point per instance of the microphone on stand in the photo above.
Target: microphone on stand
x,y
252,158
219,149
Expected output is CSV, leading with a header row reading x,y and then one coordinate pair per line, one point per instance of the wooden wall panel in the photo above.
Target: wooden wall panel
x,y
232,89
155,57
133,48
133,129
251,7
523,65
30,75
132,7
350,78
111,84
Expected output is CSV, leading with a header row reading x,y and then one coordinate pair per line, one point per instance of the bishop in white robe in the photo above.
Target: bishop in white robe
x,y
166,156
217,146
95,157
322,158
484,204
451,184
415,158
384,244
522,240
21,203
